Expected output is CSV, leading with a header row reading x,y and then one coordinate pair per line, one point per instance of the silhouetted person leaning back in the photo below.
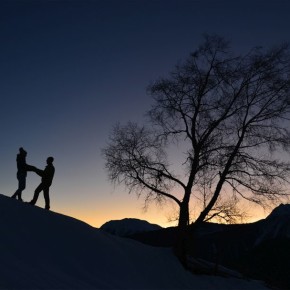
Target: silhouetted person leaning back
x,y
22,169
46,180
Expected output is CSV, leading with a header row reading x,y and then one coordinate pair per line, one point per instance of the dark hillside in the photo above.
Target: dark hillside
x,y
259,250
269,261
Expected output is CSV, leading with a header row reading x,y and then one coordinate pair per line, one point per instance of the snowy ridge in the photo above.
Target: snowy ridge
x,y
41,249
281,210
276,225
128,226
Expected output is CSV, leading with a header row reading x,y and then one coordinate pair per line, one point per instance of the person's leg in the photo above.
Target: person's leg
x,y
38,189
46,197
16,192
21,187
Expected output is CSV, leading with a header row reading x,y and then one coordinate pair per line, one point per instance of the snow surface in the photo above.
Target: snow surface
x,y
128,226
42,249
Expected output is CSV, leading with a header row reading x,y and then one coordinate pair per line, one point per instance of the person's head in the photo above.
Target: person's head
x,y
49,160
22,151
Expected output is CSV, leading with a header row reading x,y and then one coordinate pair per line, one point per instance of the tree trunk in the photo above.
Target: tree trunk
x,y
223,176
184,213
180,246
212,202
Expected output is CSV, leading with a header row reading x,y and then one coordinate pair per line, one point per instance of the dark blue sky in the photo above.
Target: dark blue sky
x,y
69,70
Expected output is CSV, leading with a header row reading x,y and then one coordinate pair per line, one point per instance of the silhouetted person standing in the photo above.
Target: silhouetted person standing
x,y
21,173
46,180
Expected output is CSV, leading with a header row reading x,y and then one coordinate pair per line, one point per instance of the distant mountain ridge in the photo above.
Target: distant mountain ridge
x,y
128,226
276,225
282,209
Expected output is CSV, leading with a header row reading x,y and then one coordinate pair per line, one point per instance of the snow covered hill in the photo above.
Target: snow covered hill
x,y
41,249
128,226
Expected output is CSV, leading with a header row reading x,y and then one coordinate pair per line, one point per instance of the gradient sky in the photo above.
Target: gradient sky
x,y
69,70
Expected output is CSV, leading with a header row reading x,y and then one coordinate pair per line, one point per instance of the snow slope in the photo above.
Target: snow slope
x,y
41,249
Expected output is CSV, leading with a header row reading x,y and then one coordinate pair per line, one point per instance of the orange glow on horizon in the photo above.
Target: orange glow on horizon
x,y
97,217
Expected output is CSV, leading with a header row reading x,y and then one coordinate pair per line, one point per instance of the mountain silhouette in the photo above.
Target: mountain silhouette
x,y
260,250
128,226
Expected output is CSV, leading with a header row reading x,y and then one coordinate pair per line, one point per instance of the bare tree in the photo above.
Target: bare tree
x,y
227,210
229,112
